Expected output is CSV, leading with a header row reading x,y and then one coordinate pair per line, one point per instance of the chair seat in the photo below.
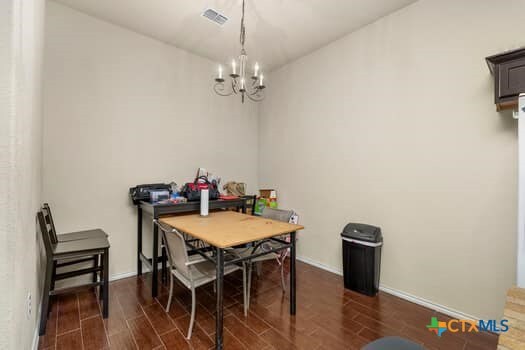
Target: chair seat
x,y
77,248
203,272
71,236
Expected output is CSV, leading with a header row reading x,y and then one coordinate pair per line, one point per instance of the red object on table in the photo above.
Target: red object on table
x,y
227,197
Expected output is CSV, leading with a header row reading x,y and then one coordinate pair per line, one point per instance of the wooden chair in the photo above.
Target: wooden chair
x,y
75,250
72,236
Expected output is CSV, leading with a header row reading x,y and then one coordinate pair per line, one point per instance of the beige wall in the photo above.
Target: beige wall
x,y
121,109
395,125
21,27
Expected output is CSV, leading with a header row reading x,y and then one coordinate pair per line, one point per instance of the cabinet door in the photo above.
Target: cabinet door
x,y
512,78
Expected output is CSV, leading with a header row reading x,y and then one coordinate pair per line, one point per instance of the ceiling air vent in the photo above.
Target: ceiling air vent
x,y
215,16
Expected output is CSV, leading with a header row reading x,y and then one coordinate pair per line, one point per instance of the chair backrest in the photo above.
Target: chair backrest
x,y
251,201
46,211
46,235
176,249
277,214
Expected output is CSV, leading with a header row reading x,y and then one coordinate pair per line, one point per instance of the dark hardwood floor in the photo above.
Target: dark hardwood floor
x,y
328,317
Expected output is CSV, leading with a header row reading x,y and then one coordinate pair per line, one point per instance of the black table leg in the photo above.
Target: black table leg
x,y
163,253
139,240
292,274
219,314
154,261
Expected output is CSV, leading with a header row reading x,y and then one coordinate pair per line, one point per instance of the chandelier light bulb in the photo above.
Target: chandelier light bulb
x,y
234,67
220,71
256,70
261,80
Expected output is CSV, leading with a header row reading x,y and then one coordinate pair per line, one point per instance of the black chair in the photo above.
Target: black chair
x,y
76,250
95,233
72,236
251,201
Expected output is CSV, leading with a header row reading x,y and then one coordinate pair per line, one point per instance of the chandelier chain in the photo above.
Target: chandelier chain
x,y
243,28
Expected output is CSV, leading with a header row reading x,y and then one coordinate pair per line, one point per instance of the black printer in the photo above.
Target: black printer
x,y
143,192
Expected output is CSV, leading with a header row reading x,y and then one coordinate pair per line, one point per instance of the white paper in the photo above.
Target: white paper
x,y
205,195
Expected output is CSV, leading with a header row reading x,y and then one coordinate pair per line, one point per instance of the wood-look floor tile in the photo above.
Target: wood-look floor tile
x,y
130,306
93,333
176,309
159,318
330,341
246,336
122,341
116,321
143,333
88,303
272,337
142,291
294,328
386,325
69,341
251,321
336,323
231,342
207,323
68,313
174,340
328,317
199,338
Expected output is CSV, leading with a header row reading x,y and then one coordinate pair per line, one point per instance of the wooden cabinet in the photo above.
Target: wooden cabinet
x,y
508,69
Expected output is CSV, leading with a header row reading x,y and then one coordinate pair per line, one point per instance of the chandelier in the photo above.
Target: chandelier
x,y
251,87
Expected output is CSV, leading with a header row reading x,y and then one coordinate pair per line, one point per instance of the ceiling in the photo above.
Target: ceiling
x,y
278,31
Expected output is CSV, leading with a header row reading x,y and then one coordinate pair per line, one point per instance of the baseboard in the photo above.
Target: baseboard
x,y
319,265
429,304
120,276
400,294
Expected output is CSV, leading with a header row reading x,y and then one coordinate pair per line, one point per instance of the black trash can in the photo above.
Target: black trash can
x,y
362,257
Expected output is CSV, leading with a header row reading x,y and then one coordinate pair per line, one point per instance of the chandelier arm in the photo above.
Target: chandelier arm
x,y
255,98
219,90
234,85
256,95
254,92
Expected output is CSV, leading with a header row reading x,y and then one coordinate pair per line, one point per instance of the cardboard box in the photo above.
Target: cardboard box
x,y
268,193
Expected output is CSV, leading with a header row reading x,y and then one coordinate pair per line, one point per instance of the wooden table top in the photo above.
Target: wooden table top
x,y
226,229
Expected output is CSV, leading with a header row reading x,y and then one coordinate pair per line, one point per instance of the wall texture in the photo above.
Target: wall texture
x,y
21,27
121,109
394,125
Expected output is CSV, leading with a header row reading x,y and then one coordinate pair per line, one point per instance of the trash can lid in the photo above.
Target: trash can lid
x,y
362,232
